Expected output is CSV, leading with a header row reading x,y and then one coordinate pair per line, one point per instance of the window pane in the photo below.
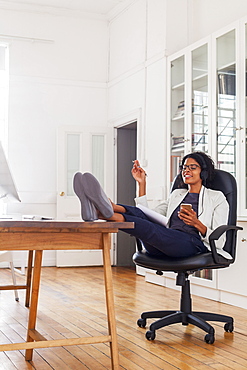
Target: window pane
x,y
226,102
4,93
200,99
177,114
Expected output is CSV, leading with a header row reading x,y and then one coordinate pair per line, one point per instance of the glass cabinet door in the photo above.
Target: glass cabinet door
x,y
226,102
199,104
207,104
177,114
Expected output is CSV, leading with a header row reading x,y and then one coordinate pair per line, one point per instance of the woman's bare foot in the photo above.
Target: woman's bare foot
x,y
116,217
117,208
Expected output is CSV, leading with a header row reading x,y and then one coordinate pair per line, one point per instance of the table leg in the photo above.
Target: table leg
x,y
110,301
34,300
29,277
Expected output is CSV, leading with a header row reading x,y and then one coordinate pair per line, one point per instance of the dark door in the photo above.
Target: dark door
x,y
126,187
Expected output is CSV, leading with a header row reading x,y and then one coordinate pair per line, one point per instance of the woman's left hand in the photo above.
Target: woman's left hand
x,y
190,218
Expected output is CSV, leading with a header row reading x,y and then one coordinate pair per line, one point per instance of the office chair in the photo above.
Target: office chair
x,y
184,267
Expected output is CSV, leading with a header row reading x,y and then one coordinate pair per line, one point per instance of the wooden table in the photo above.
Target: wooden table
x,y
38,236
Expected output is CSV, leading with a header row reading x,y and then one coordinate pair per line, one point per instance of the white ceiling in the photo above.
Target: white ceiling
x,y
100,7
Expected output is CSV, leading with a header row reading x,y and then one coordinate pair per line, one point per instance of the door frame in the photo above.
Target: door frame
x,y
134,116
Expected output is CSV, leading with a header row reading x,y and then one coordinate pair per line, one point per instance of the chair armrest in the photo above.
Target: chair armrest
x,y
139,245
215,236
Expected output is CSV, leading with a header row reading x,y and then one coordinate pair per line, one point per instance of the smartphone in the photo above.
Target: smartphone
x,y
186,206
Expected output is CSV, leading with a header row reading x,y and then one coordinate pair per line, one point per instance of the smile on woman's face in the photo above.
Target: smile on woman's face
x,y
191,172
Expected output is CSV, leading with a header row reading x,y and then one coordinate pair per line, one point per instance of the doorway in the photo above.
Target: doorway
x,y
126,187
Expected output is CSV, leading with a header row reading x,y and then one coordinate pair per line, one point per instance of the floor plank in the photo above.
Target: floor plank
x,y
72,304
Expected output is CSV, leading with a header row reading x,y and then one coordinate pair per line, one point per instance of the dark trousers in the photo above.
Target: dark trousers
x,y
159,240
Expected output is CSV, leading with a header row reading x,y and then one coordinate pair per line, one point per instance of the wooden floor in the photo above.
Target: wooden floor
x,y
72,303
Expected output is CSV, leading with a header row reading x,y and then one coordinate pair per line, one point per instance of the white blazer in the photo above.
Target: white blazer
x,y
213,211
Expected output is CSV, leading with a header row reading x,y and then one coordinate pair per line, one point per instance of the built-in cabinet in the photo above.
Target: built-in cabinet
x,y
206,107
187,105
206,111
202,102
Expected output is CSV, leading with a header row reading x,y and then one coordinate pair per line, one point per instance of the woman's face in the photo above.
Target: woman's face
x,y
191,172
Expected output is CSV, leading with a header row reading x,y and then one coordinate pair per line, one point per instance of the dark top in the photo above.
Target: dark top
x,y
177,224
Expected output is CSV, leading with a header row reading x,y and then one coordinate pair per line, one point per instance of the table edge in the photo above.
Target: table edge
x,y
56,224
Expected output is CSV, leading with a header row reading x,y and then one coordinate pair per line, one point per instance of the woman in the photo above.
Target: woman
x,y
187,231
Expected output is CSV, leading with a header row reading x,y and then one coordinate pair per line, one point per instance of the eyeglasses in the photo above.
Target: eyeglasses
x,y
191,167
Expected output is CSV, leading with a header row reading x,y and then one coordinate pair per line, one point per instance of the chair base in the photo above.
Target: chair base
x,y
185,316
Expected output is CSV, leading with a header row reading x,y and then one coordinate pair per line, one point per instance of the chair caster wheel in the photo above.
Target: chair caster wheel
x,y
150,335
209,338
141,323
228,327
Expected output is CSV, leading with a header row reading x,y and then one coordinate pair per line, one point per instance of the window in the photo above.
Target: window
x,y
4,92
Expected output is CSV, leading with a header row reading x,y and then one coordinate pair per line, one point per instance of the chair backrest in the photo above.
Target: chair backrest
x,y
226,183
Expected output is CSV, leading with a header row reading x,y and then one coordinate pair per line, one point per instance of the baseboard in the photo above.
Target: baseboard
x,y
169,281
233,299
20,260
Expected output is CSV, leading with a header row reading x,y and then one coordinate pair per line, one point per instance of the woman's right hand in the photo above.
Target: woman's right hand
x,y
140,176
137,172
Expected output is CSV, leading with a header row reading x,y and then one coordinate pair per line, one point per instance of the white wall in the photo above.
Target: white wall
x,y
51,84
188,21
137,81
59,79
141,37
206,17
62,80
